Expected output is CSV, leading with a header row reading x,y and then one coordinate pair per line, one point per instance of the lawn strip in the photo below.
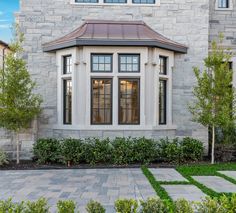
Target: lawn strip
x,y
161,192
207,170
174,183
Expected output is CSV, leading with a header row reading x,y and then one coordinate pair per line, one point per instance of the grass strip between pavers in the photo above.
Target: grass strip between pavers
x,y
161,192
174,183
207,170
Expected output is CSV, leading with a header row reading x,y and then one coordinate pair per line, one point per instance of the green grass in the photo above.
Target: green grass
x,y
174,183
161,192
207,170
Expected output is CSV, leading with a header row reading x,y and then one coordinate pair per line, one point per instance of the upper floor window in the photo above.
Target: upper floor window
x,y
86,1
116,1
223,3
129,2
163,65
143,1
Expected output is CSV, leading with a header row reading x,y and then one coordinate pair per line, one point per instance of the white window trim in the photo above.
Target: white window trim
x,y
224,9
101,3
81,84
170,64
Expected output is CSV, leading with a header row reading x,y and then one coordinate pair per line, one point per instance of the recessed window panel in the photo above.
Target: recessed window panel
x,y
67,107
86,1
101,104
143,1
116,1
223,3
162,102
163,65
101,63
67,64
129,63
129,106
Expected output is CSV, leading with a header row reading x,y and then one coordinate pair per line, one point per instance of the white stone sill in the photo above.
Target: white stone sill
x,y
114,128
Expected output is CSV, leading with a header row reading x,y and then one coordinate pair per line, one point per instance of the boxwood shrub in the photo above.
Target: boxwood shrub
x,y
120,151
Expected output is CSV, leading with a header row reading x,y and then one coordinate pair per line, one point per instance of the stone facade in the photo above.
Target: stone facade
x,y
184,21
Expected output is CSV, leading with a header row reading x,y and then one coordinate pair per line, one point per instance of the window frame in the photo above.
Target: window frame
x,y
64,61
64,85
129,54
165,102
101,54
119,102
91,100
220,4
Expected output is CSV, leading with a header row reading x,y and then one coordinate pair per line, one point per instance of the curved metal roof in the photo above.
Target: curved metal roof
x,y
114,33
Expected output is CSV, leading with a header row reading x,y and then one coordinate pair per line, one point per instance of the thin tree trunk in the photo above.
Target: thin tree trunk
x,y
17,148
213,146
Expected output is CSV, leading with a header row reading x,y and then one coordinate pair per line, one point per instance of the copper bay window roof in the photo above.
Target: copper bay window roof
x,y
114,33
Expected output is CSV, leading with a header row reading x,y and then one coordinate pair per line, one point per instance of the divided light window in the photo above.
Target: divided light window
x,y
101,101
162,102
67,64
223,3
86,1
67,106
143,1
116,1
129,98
129,63
101,62
163,65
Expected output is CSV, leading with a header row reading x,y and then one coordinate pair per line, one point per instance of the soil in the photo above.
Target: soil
x,y
32,165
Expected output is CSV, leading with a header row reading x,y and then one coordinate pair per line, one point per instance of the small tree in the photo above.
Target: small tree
x,y
214,105
18,104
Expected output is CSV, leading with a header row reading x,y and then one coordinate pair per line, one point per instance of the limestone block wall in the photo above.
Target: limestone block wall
x,y
185,21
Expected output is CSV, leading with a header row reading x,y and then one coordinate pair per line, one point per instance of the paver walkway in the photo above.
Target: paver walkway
x,y
188,192
166,174
231,174
102,185
216,183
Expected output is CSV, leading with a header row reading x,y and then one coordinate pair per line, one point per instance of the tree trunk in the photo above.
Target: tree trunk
x,y
17,148
213,146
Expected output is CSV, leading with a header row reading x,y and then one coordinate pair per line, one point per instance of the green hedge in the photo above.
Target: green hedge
x,y
151,205
120,151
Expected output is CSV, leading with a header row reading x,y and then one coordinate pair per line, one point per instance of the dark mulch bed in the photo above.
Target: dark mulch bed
x,y
32,165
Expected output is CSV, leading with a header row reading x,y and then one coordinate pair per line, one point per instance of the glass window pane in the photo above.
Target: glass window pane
x,y
162,102
129,63
101,63
86,1
101,104
67,106
129,101
67,64
143,1
163,65
223,3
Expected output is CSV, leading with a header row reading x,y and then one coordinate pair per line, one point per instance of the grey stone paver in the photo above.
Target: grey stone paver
x,y
216,183
102,185
231,174
167,174
188,192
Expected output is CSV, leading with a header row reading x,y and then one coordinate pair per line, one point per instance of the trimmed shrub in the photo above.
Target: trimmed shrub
x,y
171,150
48,151
126,206
153,205
183,206
3,158
192,149
123,151
144,150
210,205
66,206
39,206
97,151
72,151
95,207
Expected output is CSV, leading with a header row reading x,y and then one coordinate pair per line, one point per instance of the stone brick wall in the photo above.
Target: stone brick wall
x,y
185,21
223,21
